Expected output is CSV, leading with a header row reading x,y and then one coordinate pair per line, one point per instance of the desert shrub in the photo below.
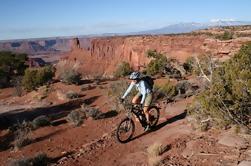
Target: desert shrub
x,y
40,121
189,65
70,77
11,66
157,64
167,91
67,72
227,35
17,82
75,118
39,160
206,65
154,151
183,86
204,126
22,135
3,78
94,113
123,69
35,77
227,100
71,95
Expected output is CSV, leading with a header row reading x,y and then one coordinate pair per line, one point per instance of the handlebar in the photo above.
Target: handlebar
x,y
136,106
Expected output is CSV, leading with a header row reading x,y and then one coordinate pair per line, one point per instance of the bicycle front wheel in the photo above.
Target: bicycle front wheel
x,y
125,130
153,115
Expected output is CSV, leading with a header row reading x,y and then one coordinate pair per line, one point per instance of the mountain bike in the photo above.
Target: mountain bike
x,y
126,127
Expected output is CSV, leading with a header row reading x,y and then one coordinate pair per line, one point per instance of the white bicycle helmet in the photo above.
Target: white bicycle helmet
x,y
135,75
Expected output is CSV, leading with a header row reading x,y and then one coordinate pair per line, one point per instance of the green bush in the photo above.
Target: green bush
x,y
94,113
189,65
11,65
35,77
70,77
39,160
157,64
225,36
123,69
228,97
40,121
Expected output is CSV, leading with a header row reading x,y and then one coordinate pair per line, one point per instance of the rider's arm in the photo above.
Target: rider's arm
x,y
143,91
128,90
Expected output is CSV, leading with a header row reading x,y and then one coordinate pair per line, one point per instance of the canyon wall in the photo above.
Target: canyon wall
x,y
104,54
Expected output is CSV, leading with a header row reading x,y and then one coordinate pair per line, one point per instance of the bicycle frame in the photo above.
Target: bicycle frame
x,y
138,112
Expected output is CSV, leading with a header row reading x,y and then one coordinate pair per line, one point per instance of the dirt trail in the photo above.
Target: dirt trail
x,y
109,152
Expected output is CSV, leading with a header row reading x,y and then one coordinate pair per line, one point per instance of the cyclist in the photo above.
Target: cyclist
x,y
144,95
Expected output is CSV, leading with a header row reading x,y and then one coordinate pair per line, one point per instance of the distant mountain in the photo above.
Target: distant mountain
x,y
189,27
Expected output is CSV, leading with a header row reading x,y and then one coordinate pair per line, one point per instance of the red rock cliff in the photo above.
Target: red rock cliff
x,y
106,53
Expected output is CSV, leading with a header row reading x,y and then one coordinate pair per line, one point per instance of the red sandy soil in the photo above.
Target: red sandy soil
x,y
94,143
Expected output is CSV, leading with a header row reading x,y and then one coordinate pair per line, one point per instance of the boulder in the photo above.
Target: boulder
x,y
245,163
232,141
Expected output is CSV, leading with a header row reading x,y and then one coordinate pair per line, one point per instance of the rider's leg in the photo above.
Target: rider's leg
x,y
147,103
146,113
136,100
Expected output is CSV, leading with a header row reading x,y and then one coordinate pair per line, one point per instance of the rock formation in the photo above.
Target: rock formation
x,y
104,54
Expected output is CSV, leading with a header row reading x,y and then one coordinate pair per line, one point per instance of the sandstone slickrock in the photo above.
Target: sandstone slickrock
x,y
232,140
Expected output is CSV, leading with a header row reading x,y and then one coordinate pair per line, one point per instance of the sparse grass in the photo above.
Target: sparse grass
x,y
155,161
72,95
166,90
75,118
156,149
39,160
40,121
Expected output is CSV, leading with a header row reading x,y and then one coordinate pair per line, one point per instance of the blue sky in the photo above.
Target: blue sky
x,y
46,18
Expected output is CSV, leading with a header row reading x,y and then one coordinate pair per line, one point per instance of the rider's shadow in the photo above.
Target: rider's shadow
x,y
159,126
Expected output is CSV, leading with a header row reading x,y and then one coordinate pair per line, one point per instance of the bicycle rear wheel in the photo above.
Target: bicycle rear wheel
x,y
154,115
125,130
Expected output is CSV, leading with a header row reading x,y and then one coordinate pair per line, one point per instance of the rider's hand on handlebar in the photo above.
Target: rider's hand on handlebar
x,y
121,100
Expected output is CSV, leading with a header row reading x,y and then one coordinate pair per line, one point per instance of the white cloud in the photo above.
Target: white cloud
x,y
222,19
